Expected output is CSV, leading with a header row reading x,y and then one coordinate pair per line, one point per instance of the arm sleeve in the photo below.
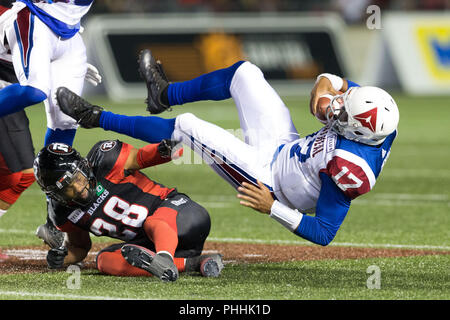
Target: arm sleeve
x,y
149,156
332,207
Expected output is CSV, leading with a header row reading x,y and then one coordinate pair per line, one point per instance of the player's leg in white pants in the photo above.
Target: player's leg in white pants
x,y
67,70
43,61
266,124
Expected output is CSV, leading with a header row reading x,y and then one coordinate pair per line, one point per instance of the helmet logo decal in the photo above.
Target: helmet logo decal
x,y
106,146
59,148
368,119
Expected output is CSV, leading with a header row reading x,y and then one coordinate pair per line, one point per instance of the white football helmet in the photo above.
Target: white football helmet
x,y
364,114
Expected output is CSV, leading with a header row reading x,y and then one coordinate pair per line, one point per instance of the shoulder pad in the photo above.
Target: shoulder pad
x,y
351,173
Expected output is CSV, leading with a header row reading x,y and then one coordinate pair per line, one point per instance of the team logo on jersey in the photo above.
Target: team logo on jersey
x,y
368,119
102,194
99,189
179,202
106,146
76,215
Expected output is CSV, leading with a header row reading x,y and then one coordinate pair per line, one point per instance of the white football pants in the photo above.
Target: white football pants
x,y
44,61
266,124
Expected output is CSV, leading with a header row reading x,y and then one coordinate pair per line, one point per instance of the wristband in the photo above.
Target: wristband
x,y
288,217
336,82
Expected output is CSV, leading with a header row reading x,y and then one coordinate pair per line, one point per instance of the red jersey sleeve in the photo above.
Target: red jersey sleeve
x,y
149,156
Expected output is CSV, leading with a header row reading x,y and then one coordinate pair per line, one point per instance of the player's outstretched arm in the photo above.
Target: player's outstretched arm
x,y
320,229
152,155
75,248
78,244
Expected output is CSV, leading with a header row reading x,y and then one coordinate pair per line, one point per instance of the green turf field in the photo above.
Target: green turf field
x,y
408,208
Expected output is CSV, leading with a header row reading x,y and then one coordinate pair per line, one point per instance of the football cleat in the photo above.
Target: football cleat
x,y
209,265
51,236
86,114
160,265
156,80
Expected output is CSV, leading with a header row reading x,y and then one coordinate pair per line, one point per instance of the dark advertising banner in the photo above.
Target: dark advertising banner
x,y
285,48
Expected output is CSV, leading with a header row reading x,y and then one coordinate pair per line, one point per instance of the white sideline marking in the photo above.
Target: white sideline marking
x,y
297,242
416,173
337,244
59,295
379,199
27,254
17,231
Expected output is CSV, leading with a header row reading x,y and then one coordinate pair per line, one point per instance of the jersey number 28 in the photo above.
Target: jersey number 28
x,y
120,210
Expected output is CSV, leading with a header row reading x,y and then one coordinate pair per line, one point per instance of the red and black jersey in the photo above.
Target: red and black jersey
x,y
124,199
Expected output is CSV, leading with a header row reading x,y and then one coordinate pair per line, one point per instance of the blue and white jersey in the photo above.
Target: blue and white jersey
x,y
353,167
61,16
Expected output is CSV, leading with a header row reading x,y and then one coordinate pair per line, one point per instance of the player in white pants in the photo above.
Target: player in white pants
x,y
275,171
47,52
266,124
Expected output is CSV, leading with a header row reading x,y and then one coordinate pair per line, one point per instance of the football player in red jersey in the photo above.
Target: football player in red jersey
x,y
16,146
106,194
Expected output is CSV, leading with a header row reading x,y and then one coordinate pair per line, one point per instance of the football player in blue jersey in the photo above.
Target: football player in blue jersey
x,y
275,171
47,52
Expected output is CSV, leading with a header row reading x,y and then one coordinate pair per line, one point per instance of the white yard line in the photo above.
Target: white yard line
x,y
416,173
20,231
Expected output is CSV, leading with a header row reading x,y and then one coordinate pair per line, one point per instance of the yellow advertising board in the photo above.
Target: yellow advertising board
x,y
433,40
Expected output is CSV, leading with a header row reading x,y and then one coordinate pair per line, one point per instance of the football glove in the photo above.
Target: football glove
x,y
93,75
55,257
166,147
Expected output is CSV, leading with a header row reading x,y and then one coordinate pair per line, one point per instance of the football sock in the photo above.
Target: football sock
x,y
151,129
13,193
58,135
163,235
210,86
18,183
113,263
15,97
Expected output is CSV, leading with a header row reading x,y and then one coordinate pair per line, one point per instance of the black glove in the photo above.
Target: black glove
x,y
166,146
55,257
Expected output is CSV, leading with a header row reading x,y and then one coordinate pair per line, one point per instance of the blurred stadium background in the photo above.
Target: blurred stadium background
x,y
402,45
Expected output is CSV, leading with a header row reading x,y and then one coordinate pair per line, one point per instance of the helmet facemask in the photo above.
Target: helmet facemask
x,y
74,187
345,111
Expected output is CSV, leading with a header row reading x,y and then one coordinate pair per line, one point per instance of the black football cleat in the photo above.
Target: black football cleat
x,y
86,114
156,80
51,236
160,265
209,265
